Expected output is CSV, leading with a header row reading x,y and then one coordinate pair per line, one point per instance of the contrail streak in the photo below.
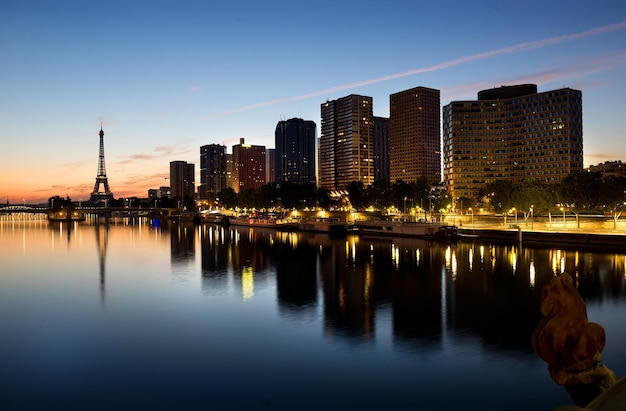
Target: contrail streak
x,y
461,60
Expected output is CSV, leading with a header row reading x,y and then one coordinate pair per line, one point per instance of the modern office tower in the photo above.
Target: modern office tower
x,y
295,151
415,135
182,179
381,148
346,145
249,166
212,171
511,133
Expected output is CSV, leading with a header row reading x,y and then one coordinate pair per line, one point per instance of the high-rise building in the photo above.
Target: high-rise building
x,y
212,171
381,148
415,135
249,166
346,145
511,133
295,151
182,179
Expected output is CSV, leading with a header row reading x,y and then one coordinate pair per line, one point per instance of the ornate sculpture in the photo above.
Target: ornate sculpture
x,y
569,343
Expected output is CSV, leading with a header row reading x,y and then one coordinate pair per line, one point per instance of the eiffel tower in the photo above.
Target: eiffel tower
x,y
101,179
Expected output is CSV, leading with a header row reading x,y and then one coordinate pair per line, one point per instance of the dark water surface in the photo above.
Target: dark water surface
x,y
133,316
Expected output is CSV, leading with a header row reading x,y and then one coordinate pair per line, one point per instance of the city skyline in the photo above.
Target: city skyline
x,y
166,79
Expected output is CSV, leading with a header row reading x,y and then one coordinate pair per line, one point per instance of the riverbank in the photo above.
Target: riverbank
x,y
587,238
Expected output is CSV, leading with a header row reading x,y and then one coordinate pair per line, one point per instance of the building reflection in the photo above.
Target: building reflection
x,y
102,241
182,243
436,292
348,286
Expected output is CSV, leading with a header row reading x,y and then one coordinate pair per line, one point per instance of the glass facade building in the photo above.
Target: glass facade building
x,y
212,171
295,151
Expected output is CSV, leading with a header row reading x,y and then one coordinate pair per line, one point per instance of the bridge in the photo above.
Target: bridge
x,y
76,213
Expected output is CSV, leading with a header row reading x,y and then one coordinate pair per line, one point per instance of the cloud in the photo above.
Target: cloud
x,y
551,41
567,70
159,152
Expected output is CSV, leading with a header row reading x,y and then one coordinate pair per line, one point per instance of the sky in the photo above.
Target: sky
x,y
163,78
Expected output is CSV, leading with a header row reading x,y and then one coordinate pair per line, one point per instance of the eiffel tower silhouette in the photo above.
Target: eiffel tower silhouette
x,y
99,195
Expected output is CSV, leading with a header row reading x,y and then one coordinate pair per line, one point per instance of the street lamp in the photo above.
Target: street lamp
x,y
532,217
472,213
563,209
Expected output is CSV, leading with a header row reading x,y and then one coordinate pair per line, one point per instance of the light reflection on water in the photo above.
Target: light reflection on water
x,y
176,316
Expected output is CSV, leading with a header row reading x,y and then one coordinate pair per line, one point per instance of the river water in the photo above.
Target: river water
x,y
137,315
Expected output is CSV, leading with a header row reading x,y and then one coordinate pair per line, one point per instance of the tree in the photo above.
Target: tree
x,y
56,203
500,195
580,192
323,198
532,196
357,194
612,195
380,194
228,198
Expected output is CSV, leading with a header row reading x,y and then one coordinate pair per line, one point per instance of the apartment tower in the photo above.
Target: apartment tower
x,y
415,135
212,171
295,151
249,166
182,179
346,144
511,133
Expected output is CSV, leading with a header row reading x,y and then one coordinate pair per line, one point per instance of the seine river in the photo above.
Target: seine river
x,y
132,315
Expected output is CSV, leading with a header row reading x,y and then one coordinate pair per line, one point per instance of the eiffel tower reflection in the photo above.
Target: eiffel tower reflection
x,y
102,240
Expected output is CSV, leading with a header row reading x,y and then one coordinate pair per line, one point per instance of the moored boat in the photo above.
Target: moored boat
x,y
286,224
324,225
405,228
63,215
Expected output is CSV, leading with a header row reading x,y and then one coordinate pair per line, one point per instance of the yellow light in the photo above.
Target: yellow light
x,y
247,283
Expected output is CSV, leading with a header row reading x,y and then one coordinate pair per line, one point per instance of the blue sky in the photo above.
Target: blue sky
x,y
165,77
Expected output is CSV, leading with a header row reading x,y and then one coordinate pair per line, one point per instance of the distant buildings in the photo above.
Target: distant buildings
x,y
415,135
511,133
182,179
610,168
213,171
346,144
295,151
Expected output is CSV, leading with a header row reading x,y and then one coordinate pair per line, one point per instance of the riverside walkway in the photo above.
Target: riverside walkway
x,y
598,233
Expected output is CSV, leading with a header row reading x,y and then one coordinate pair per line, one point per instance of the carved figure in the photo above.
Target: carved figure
x,y
569,343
